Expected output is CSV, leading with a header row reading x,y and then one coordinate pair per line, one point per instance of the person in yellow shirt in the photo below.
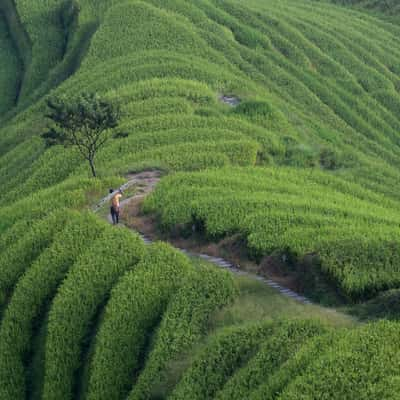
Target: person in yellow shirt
x,y
115,205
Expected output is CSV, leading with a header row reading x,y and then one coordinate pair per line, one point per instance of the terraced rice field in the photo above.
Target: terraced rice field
x,y
274,122
350,231
10,68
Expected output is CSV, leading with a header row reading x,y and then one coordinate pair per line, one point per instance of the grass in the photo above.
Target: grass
x,y
307,163
43,26
257,302
383,306
10,68
290,212
388,7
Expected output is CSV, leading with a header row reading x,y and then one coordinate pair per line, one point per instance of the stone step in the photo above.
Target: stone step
x,y
218,261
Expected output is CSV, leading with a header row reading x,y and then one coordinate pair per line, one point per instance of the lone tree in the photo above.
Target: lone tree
x,y
84,122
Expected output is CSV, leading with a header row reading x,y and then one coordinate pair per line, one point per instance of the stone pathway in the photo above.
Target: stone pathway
x,y
146,182
224,264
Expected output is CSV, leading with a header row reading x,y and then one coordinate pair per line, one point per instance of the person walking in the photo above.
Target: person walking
x,y
115,205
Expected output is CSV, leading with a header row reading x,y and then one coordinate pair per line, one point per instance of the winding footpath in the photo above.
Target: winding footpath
x,y
146,182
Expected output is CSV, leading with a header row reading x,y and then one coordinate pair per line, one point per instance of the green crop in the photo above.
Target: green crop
x,y
280,378
19,254
10,68
184,323
136,304
295,213
302,163
273,353
45,32
32,292
353,360
84,290
225,353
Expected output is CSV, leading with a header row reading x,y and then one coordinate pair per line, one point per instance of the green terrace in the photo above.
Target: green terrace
x,y
275,123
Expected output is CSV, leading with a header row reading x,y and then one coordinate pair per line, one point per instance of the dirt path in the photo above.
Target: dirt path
x,y
145,183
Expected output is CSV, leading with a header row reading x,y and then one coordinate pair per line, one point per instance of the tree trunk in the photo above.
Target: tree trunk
x,y
93,169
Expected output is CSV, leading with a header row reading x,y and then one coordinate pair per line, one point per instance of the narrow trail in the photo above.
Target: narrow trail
x,y
146,182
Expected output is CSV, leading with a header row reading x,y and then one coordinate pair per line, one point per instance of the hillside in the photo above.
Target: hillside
x,y
388,7
276,129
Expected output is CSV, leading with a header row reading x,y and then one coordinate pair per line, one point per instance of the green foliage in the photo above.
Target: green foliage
x,y
86,311
384,306
225,352
72,193
84,290
19,254
53,167
10,68
43,27
263,113
184,323
283,343
130,26
390,7
329,159
292,212
357,366
14,166
83,122
32,292
135,306
281,377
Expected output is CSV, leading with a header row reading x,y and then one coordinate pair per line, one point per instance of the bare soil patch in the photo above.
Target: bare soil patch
x,y
230,100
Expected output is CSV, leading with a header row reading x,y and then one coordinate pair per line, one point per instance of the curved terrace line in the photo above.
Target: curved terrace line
x,y
20,37
148,181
